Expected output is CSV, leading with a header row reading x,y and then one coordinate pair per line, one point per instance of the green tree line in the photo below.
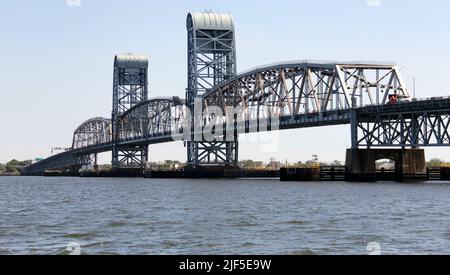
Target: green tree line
x,y
11,168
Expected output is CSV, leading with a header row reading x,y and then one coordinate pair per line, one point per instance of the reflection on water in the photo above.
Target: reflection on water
x,y
150,216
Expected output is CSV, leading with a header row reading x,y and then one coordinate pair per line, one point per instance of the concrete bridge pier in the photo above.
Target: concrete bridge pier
x,y
409,164
231,171
73,170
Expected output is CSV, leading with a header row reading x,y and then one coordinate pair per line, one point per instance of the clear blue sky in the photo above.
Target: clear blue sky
x,y
56,60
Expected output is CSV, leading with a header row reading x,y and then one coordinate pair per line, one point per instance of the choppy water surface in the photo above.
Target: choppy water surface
x,y
149,216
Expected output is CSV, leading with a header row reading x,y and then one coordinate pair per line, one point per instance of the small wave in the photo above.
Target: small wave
x,y
305,252
333,221
247,244
51,225
169,244
234,211
5,252
447,235
396,218
18,211
244,224
80,235
64,252
208,245
173,222
296,222
13,233
96,244
118,224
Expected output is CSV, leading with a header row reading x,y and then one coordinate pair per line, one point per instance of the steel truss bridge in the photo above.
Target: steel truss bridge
x,y
281,96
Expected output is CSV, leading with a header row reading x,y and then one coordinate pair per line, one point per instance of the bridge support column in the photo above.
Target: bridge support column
x,y
129,89
73,171
88,162
409,164
211,62
130,157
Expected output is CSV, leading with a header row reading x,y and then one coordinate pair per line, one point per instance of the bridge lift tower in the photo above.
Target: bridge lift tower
x,y
129,89
211,62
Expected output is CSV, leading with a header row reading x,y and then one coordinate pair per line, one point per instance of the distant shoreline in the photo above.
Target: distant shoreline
x,y
10,175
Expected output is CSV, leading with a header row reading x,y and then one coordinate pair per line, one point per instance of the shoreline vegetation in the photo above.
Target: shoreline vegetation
x,y
13,167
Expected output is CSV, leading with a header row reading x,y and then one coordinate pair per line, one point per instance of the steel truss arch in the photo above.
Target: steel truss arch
x,y
303,87
153,117
92,132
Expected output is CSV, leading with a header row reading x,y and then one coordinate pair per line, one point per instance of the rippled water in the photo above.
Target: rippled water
x,y
149,216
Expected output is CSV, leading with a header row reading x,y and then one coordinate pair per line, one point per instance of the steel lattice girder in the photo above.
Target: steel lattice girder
x,y
153,117
211,61
129,89
132,156
415,129
92,132
215,152
421,123
303,87
88,162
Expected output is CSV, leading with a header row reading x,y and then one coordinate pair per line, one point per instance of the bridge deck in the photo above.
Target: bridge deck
x,y
338,117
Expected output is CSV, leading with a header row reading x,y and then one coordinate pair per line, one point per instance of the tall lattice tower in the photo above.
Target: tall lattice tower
x,y
211,61
130,88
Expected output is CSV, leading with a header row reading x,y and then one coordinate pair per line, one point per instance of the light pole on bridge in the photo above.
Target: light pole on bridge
x,y
414,78
414,85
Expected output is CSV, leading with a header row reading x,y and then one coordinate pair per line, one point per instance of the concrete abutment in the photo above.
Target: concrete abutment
x,y
410,164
